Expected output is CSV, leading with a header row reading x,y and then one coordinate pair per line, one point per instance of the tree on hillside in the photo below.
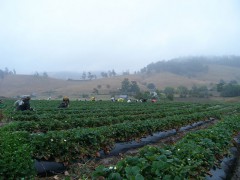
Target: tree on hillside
x,y
188,67
95,91
220,85
6,71
36,74
91,76
45,75
114,73
230,90
125,85
233,82
129,87
233,61
201,92
126,73
84,75
182,91
134,88
1,74
169,92
111,73
108,86
151,86
104,75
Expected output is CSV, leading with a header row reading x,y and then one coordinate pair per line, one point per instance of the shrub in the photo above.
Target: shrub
x,y
15,156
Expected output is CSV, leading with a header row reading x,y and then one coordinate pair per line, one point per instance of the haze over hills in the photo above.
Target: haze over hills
x,y
182,71
65,75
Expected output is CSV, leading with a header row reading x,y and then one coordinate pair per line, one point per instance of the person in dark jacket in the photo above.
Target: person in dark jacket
x,y
65,103
23,104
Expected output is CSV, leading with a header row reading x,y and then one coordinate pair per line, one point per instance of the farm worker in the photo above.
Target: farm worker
x,y
23,104
120,99
143,100
65,103
113,99
154,100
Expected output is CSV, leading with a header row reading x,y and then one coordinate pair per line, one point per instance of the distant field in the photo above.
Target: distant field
x,y
13,85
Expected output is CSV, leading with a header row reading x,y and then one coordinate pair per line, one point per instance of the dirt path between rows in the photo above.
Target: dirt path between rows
x,y
168,140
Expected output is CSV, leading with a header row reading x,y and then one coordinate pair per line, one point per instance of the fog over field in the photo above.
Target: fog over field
x,y
93,35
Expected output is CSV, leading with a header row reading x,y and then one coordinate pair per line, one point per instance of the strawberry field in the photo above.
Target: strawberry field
x,y
86,128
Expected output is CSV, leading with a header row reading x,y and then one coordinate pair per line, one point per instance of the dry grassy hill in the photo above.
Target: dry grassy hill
x,y
13,85
213,76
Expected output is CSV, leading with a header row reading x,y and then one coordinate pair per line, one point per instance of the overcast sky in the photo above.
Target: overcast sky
x,y
90,35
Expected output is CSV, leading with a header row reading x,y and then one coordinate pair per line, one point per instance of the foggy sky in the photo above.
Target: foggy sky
x,y
90,35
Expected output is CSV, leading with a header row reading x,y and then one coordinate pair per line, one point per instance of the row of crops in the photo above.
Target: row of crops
x,y
190,158
85,128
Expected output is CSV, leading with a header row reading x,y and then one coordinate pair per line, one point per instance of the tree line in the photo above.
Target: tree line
x,y
190,66
131,88
228,89
225,89
6,72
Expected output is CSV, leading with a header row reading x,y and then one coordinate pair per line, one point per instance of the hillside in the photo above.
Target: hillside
x,y
14,85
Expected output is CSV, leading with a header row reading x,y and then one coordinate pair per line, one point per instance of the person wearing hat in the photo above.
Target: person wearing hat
x,y
23,104
65,103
